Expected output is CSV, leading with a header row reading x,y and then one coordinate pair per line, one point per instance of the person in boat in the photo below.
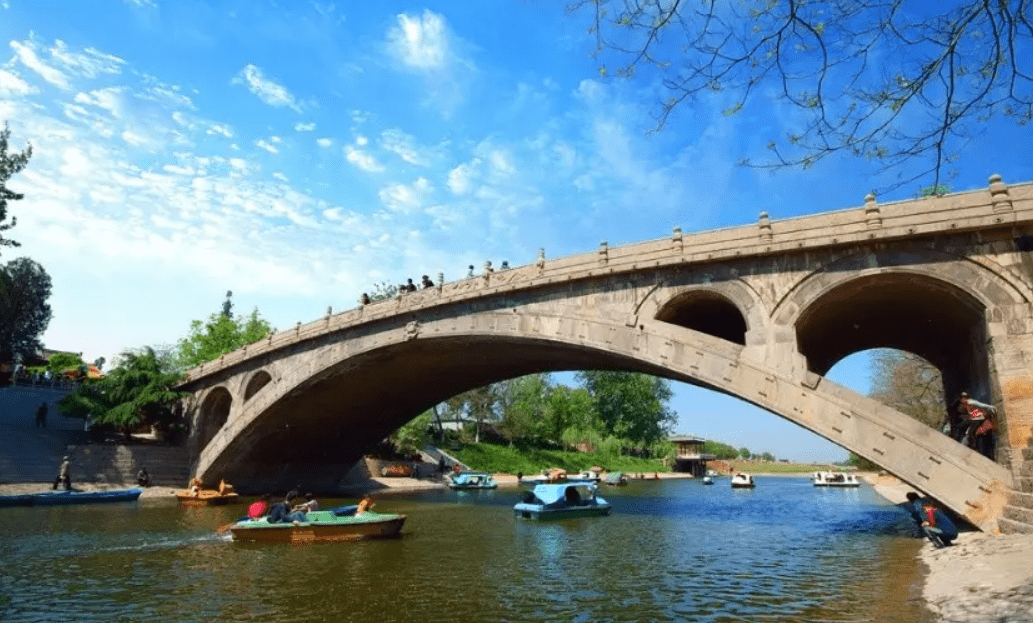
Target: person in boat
x,y
931,519
309,505
259,507
282,512
143,478
365,504
63,475
225,488
195,486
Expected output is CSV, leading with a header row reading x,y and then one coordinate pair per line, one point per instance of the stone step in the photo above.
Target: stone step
x,y
1026,469
1010,526
1022,500
1027,454
1024,484
1016,513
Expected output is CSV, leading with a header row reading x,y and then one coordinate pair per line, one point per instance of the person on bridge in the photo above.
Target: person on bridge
x,y
980,425
63,475
41,415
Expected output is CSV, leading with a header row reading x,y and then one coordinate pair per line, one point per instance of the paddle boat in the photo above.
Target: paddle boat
x,y
585,476
195,495
742,481
56,498
548,476
835,479
561,501
707,480
616,479
472,480
347,523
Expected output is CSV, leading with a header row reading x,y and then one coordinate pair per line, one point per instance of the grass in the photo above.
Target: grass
x,y
510,459
758,467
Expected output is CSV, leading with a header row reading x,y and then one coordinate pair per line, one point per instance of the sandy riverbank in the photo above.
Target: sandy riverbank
x,y
982,578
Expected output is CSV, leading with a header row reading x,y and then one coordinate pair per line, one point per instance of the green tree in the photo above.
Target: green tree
x,y
219,335
59,362
11,163
897,82
24,311
744,453
631,406
767,456
412,437
525,408
140,391
720,450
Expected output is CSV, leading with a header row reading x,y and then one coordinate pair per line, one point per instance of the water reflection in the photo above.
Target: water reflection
x,y
672,550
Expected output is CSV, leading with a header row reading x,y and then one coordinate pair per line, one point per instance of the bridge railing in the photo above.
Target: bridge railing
x,y
997,205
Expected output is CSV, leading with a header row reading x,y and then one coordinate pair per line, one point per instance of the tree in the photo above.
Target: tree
x,y
631,406
412,436
59,362
886,80
221,334
10,164
720,450
525,408
744,453
24,312
909,384
138,392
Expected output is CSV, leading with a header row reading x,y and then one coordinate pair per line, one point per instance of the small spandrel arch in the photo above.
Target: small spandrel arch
x,y
258,380
215,410
708,312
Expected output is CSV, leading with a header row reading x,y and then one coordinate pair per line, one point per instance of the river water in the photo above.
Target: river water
x,y
673,550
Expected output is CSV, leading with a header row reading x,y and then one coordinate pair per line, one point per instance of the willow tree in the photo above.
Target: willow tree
x,y
890,80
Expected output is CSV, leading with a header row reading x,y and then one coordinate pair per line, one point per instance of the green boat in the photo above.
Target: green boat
x,y
321,527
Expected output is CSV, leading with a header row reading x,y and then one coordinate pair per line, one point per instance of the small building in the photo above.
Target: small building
x,y
689,456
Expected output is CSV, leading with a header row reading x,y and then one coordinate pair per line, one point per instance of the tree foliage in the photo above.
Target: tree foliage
x,y
720,450
629,405
24,312
11,163
909,384
138,392
881,79
59,362
220,334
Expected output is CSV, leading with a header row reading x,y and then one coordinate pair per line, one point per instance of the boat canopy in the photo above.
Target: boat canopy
x,y
550,494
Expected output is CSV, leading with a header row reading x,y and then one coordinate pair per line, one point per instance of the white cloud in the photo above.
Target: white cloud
x,y
89,63
420,42
361,140
305,127
26,54
402,144
363,160
324,142
109,99
222,129
267,146
266,90
460,179
11,85
280,176
143,4
407,199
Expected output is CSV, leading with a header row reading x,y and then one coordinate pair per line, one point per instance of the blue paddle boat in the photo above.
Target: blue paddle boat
x,y
56,498
562,501
472,480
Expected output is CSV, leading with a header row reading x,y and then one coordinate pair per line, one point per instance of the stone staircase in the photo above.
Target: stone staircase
x,y
117,464
32,455
1018,514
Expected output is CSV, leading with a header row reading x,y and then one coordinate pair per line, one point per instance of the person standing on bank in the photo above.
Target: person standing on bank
x,y
41,415
63,475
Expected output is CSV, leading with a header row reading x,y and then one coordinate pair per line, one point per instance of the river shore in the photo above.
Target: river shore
x,y
982,578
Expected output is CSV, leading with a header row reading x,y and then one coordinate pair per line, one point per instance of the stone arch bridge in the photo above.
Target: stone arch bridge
x,y
760,312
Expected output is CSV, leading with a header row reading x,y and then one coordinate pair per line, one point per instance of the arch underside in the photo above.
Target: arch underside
x,y
331,417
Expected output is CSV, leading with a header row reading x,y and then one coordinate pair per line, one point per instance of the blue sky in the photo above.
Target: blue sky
x,y
298,152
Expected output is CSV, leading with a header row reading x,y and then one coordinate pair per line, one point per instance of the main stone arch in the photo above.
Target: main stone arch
x,y
371,386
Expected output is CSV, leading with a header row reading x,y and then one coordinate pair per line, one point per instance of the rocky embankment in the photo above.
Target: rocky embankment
x,y
982,578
